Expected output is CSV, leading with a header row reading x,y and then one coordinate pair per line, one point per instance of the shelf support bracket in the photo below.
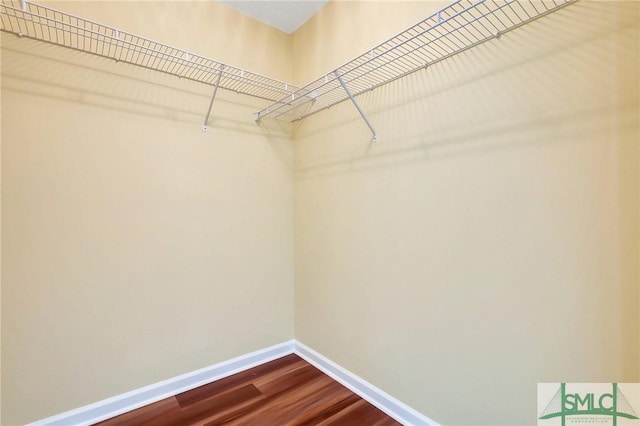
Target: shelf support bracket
x,y
213,98
355,103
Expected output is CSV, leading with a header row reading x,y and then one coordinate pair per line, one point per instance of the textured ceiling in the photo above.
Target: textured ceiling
x,y
286,16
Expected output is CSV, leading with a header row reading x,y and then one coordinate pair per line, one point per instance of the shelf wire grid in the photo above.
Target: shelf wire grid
x,y
454,29
39,22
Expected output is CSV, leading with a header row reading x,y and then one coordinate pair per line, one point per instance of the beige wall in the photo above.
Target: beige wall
x,y
360,25
0,244
207,28
489,240
137,247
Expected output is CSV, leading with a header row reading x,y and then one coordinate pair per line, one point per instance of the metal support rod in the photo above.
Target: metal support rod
x,y
213,98
355,103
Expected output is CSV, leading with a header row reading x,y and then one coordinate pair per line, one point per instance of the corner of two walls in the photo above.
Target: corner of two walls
x,y
137,247
489,240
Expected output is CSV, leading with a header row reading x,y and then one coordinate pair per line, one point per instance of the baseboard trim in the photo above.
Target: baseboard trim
x,y
385,402
123,403
111,407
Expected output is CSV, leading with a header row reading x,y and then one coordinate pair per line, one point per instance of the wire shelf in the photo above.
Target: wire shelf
x,y
454,29
35,21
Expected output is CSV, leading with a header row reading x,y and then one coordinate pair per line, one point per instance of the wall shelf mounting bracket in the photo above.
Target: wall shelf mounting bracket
x,y
355,103
460,26
25,18
213,98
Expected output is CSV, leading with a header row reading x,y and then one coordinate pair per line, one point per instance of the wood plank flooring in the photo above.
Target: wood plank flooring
x,y
287,391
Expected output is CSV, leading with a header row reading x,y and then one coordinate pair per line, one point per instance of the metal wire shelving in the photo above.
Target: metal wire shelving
x,y
454,29
31,20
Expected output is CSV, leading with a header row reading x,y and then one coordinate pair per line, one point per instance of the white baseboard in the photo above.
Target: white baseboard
x,y
385,402
111,407
123,403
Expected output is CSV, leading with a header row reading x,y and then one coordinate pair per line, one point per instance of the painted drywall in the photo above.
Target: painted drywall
x,y
0,245
136,247
489,240
318,49
215,31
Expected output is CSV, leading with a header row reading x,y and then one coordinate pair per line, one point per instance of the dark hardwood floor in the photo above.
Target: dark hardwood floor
x,y
287,391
